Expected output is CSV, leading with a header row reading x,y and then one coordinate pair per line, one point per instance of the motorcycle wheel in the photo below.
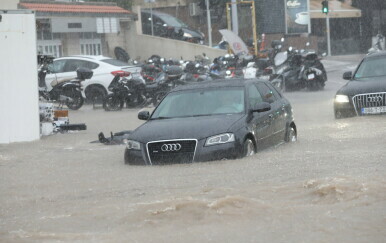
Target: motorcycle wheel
x,y
76,99
112,103
139,101
315,86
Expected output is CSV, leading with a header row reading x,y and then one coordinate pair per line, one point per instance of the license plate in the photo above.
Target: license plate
x,y
311,76
374,110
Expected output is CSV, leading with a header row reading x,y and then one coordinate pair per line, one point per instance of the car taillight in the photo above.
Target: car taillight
x,y
268,70
121,73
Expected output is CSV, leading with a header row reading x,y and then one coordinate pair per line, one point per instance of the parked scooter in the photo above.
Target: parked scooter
x,y
67,92
298,70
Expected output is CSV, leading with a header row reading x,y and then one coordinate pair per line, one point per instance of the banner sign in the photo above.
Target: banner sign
x,y
297,16
235,42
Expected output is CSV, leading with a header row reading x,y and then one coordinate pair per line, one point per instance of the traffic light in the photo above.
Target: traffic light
x,y
325,6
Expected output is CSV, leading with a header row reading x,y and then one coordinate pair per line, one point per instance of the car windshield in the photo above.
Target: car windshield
x,y
172,21
371,67
115,62
201,103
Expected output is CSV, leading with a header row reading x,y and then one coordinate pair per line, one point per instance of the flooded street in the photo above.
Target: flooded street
x,y
330,186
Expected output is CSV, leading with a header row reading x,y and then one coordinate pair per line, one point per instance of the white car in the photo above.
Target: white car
x,y
104,68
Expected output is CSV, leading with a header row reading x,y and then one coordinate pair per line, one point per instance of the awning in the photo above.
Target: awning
x,y
71,9
336,8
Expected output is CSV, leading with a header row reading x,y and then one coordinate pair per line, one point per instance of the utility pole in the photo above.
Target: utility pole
x,y
328,35
326,11
235,22
209,23
151,15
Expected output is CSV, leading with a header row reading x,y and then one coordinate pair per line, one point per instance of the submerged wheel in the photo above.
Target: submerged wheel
x,y
291,135
249,148
75,100
112,103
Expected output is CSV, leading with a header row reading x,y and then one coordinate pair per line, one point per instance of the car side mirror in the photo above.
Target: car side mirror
x,y
261,107
144,115
347,75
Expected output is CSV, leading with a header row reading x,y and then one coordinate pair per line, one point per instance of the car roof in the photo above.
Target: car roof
x,y
155,12
96,58
218,83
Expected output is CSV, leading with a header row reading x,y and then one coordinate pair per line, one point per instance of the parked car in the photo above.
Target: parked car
x,y
211,121
104,69
365,93
166,25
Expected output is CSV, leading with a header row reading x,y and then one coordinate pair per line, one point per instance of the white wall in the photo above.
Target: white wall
x,y
144,46
19,100
8,4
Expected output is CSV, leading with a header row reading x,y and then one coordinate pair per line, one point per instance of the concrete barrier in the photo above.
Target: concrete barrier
x,y
143,46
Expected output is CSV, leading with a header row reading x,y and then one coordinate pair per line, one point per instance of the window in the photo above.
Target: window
x,y
57,66
72,65
266,92
274,91
254,97
74,25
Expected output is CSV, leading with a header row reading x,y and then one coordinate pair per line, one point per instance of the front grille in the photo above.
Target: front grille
x,y
171,151
368,100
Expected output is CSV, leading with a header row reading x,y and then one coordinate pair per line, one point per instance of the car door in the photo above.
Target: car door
x,y
260,121
275,112
284,107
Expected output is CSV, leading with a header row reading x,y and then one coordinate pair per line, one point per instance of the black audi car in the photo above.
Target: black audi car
x,y
212,121
365,93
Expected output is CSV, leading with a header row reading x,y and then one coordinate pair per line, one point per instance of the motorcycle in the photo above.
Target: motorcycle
x,y
68,92
125,90
296,70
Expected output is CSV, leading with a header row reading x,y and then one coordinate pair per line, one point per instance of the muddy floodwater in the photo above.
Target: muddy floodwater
x,y
330,186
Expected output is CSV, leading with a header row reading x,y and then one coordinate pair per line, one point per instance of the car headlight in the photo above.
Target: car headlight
x,y
341,99
131,144
219,139
187,35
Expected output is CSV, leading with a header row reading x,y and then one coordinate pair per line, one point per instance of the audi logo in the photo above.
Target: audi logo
x,y
171,147
375,99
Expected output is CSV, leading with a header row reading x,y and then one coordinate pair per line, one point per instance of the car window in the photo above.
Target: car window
x,y
274,91
266,93
372,67
206,102
72,65
57,66
254,97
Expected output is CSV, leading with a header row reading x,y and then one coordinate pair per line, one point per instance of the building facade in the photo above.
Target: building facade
x,y
78,28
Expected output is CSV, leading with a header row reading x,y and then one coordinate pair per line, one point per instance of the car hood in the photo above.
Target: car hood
x,y
364,86
188,127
